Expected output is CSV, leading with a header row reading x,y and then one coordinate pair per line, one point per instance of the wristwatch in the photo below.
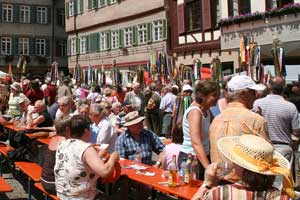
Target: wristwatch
x,y
204,185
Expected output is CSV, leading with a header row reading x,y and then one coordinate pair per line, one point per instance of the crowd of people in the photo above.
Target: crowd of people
x,y
247,124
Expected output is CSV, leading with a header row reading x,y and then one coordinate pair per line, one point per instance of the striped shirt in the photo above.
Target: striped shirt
x,y
237,192
126,145
281,115
235,120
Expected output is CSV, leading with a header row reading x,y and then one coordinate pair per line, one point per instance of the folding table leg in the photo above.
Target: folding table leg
x,y
28,188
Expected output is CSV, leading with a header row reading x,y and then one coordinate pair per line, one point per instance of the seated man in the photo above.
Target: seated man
x,y
43,120
136,137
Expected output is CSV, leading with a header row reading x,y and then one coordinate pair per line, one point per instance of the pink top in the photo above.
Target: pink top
x,y
170,150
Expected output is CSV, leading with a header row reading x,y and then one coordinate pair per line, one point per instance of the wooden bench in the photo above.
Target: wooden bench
x,y
4,186
32,170
46,194
3,151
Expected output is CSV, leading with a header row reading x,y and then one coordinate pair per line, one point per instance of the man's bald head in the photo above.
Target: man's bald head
x,y
276,85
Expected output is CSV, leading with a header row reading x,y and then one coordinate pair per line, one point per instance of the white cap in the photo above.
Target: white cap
x,y
241,82
187,87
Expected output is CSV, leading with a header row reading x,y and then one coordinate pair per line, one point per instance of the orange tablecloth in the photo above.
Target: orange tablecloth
x,y
185,191
15,128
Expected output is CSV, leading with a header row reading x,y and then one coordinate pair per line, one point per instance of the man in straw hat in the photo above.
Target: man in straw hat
x,y
237,118
256,163
136,137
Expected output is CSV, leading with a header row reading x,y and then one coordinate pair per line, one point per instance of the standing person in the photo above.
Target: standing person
x,y
166,107
120,93
94,94
196,122
152,109
282,118
35,93
108,96
102,129
237,118
64,90
14,109
50,92
137,98
78,165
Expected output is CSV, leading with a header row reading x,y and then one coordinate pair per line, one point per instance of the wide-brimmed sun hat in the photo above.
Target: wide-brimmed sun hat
x,y
16,87
133,118
257,155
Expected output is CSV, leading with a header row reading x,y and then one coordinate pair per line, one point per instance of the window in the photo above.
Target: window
x,y
215,14
142,33
73,46
61,17
128,34
24,46
230,8
114,39
6,46
113,1
41,15
24,14
193,15
244,7
101,3
7,12
103,40
71,8
40,47
83,44
157,30
61,49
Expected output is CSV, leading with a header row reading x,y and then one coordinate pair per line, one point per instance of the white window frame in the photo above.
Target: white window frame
x,y
24,46
6,45
83,44
157,30
102,3
71,8
41,15
7,12
142,34
102,40
25,14
40,47
128,36
73,46
114,39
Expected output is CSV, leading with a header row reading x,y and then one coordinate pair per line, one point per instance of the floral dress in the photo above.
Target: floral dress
x,y
73,178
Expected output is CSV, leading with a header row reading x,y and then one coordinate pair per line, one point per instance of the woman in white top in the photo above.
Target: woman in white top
x,y
78,165
196,121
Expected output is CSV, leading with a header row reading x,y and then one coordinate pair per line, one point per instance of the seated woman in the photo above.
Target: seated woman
x,y
256,163
47,178
78,165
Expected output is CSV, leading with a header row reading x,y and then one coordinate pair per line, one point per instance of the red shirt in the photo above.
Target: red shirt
x,y
51,92
35,95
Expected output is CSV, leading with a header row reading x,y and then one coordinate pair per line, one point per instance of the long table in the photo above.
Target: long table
x,y
183,192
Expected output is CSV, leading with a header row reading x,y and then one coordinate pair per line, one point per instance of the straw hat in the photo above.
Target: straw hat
x,y
107,91
133,118
16,86
252,153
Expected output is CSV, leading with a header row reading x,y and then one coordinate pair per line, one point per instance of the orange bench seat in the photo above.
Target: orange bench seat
x,y
4,186
40,187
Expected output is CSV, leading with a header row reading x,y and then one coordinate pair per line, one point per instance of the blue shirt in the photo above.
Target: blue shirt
x,y
126,145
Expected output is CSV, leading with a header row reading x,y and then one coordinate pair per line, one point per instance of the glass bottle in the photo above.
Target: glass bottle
x,y
172,181
194,172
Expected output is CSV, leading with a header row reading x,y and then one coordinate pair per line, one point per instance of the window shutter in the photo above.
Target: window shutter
x,y
108,40
33,15
76,7
90,36
32,46
47,47
15,44
67,9
90,2
49,15
16,15
69,47
134,36
87,44
121,38
149,32
96,4
108,2
78,45
206,15
97,43
165,29
180,18
81,6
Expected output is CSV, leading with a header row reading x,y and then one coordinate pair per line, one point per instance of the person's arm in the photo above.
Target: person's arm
x,y
195,120
158,147
3,122
295,122
34,122
92,159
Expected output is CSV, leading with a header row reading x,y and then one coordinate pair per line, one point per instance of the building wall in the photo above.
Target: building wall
x,y
33,30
